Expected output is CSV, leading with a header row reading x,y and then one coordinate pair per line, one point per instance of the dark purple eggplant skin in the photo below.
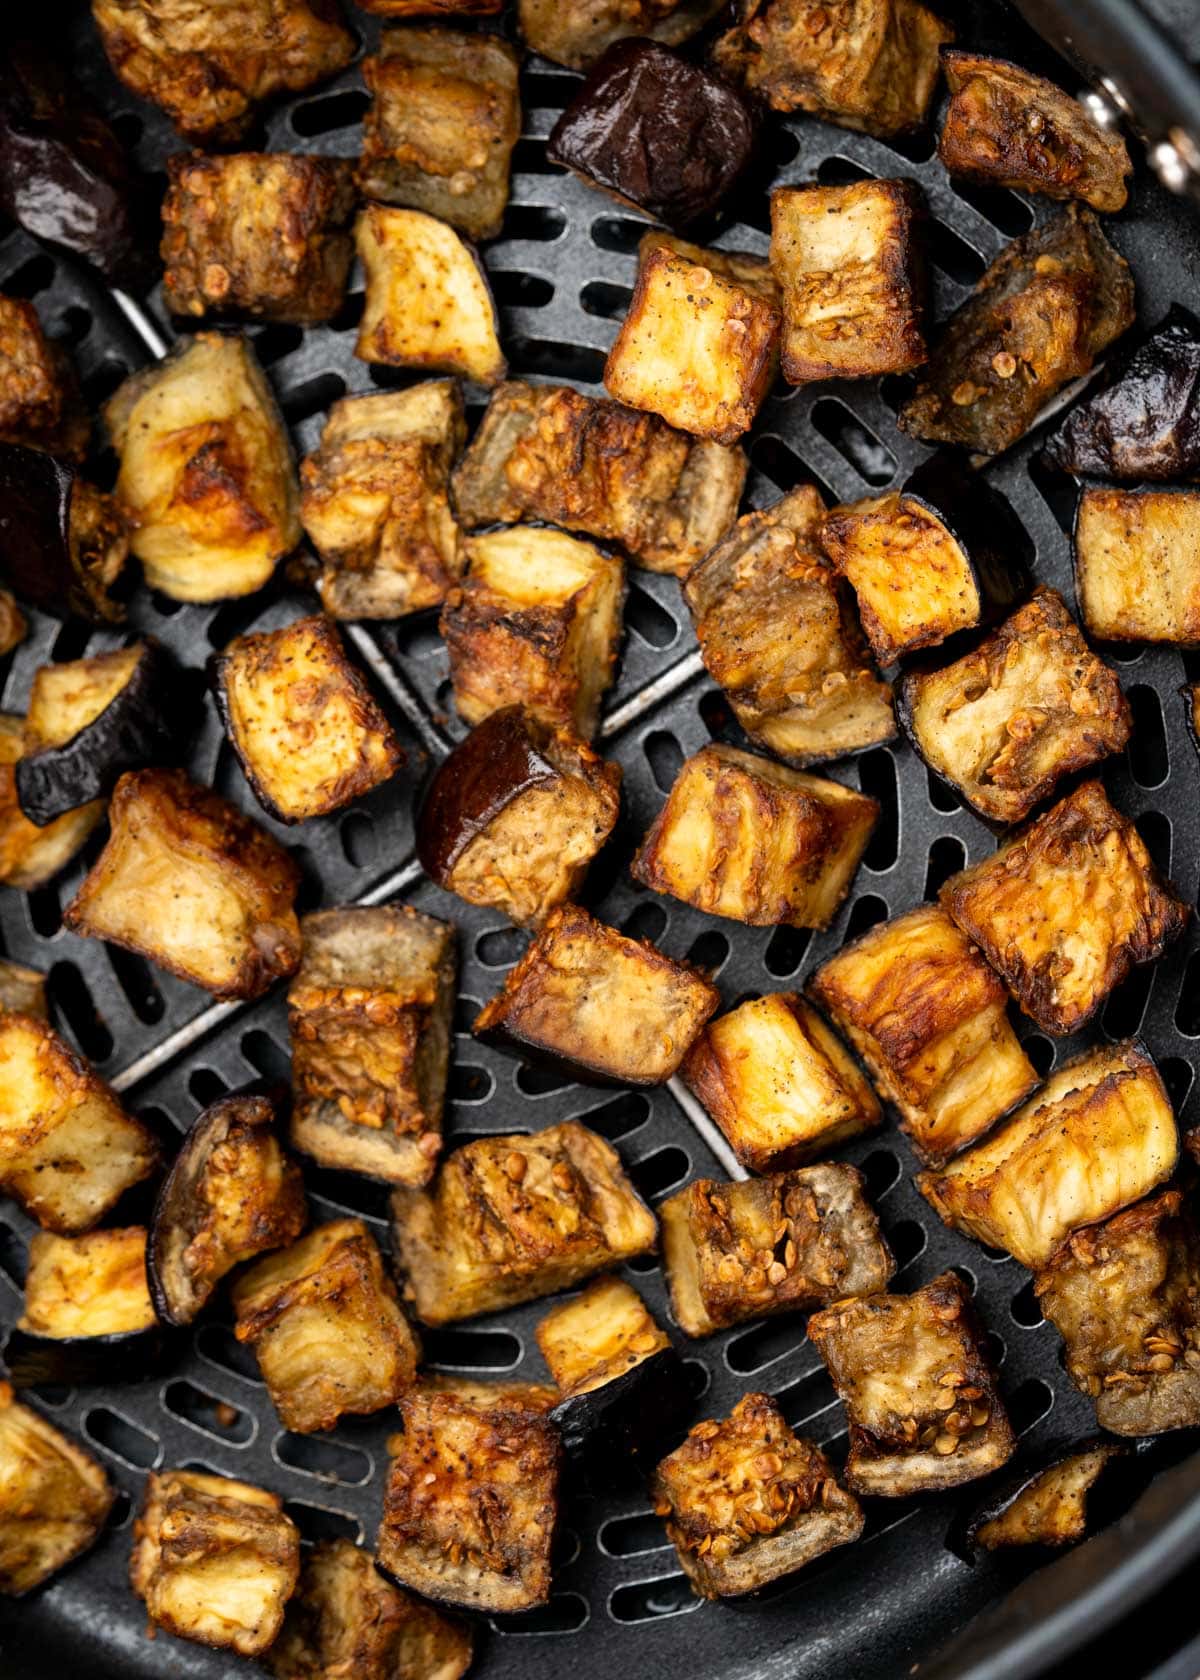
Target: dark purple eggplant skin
x,y
84,1360
983,524
35,547
663,134
635,1416
147,723
1142,422
961,1538
499,761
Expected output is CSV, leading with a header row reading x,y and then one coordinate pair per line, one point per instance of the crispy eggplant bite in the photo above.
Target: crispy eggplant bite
x,y
186,880
511,1219
548,452
695,347
516,814
778,632
326,1327
937,557
68,1150
231,1194
22,991
1125,1297
1099,1134
743,268
374,501
210,67
264,235
207,480
853,288
659,133
863,64
369,1015
301,720
88,1314
748,1501
1135,565
54,1498
535,622
41,405
1142,419
214,1560
1030,705
495,1396
31,856
780,1085
63,543
929,1018
444,118
604,1008
430,8
1006,127
782,1243
471,1503
1045,309
577,32
14,626
1042,1505
742,837
90,720
345,1619
920,1394
428,304
1066,909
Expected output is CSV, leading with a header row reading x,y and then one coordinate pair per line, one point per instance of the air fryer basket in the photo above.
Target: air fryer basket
x,y
562,270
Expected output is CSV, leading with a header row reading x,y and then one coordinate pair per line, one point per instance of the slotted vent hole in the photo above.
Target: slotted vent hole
x,y
219,1418
328,114
268,1059
648,620
661,1172
618,1117
709,951
1147,749
763,1344
360,843
318,1522
647,920
566,1612
500,947
947,855
469,1084
633,1535
780,463
603,298
537,1081
67,986
121,1437
455,1348
332,1461
785,951
206,1085
645,1601
877,777
855,442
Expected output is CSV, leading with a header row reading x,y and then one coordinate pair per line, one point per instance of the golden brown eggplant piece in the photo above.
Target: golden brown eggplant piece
x,y
920,1394
1099,1134
430,8
1065,910
88,1313
742,837
1045,1507
22,991
511,1219
186,880
501,1396
1135,564
14,626
41,405
54,1498
928,1017
578,32
743,268
31,856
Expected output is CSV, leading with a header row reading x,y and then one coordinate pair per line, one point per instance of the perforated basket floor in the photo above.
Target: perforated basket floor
x,y
562,271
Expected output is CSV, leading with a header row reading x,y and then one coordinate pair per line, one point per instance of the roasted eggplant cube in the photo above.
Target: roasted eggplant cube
x,y
207,480
374,501
929,1018
783,1243
428,300
743,268
346,1619
852,284
31,856
696,348
778,631
1030,705
536,622
88,1314
40,402
577,32
1142,419
214,1560
471,1503
1124,1297
1135,565
548,452
745,838
63,543
601,1007
511,1219
516,814
1065,910
186,880
919,1391
54,1498
22,991
209,68
938,557
1045,1506
326,1328
231,1194
494,1396
1099,1134
780,1085
1039,317
264,235
68,1150
1006,127
444,118
90,720
748,1501
369,1015
659,133
430,8
870,65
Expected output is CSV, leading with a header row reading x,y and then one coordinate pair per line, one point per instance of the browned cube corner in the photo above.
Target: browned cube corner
x,y
41,405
